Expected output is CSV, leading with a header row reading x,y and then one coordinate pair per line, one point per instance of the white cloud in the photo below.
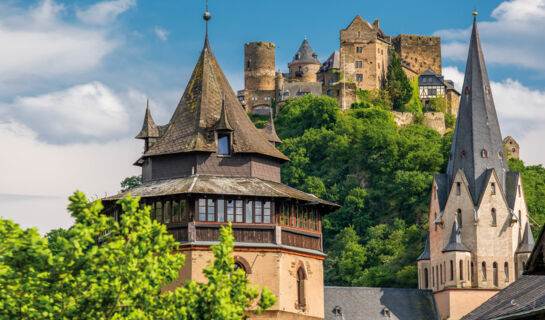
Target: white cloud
x,y
37,43
511,38
521,112
161,33
44,175
85,111
104,12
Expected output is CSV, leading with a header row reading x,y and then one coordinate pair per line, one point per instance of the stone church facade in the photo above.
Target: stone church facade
x,y
479,234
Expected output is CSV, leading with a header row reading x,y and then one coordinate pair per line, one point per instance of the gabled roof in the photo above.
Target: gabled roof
x,y
305,54
443,188
527,244
426,253
477,126
333,62
269,131
455,241
511,186
525,295
149,128
191,126
358,19
379,304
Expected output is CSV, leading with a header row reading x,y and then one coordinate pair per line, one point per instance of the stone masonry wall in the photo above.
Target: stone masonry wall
x,y
259,65
434,120
421,52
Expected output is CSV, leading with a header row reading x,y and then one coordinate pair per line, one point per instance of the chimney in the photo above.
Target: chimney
x,y
376,23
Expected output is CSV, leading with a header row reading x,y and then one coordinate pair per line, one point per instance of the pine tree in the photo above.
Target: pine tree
x,y
397,83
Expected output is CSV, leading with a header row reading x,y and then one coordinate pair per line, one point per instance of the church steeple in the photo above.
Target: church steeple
x,y
477,145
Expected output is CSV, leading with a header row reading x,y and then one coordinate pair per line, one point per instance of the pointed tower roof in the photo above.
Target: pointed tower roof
x,y
526,245
200,109
455,241
223,122
477,143
149,128
305,54
270,132
426,253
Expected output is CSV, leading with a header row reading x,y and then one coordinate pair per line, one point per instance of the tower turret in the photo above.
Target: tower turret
x,y
149,132
305,64
259,65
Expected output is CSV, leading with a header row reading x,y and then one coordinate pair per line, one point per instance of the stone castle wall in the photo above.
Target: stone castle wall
x,y
259,65
434,120
421,52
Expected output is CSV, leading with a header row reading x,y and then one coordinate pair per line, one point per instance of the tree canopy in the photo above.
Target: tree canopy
x,y
398,85
106,269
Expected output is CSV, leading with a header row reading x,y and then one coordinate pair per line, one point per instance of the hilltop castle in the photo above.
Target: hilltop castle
x,y
479,234
361,62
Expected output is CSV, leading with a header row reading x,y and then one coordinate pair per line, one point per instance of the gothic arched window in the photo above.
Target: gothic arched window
x,y
484,153
301,277
461,270
484,270
459,218
426,281
493,213
506,271
495,273
451,270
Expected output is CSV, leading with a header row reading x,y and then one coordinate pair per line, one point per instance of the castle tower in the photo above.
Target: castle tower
x,y
305,64
149,132
259,65
479,235
212,166
364,54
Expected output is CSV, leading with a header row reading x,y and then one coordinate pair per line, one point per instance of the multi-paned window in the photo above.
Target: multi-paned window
x,y
303,217
167,211
222,210
359,77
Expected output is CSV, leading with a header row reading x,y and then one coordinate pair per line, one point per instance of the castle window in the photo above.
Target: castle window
x,y
483,269
458,188
359,34
493,188
426,281
432,92
441,272
258,212
493,213
359,64
433,277
267,98
459,218
301,277
513,150
247,64
461,270
359,77
437,275
506,271
495,273
451,270
472,271
202,209
435,221
211,210
223,144
359,49
239,266
484,153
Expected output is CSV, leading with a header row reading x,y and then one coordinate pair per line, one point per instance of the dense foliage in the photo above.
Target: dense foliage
x,y
398,86
103,269
379,173
130,182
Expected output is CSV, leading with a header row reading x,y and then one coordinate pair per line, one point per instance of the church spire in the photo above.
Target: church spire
x,y
477,144
149,128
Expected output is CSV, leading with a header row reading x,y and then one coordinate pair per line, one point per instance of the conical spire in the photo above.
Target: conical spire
x,y
200,109
305,54
149,128
526,245
477,143
455,241
426,253
270,132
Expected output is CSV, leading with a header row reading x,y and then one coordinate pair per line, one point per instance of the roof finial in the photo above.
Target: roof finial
x,y
147,102
207,16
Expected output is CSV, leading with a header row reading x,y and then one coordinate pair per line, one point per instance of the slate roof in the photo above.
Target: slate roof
x,y
191,126
426,253
221,185
455,241
305,54
333,62
373,303
441,180
298,89
149,128
437,80
269,131
527,243
524,295
477,126
511,186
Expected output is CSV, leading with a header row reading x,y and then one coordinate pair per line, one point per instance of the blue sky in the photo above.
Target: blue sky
x,y
75,75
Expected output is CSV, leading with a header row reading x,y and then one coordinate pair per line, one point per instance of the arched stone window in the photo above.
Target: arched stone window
x,y
461,270
433,277
472,271
483,268
506,271
441,272
426,280
495,273
459,217
451,270
493,214
241,263
435,222
458,188
301,277
484,153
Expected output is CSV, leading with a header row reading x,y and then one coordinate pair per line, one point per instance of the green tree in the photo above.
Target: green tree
x,y
106,269
346,259
397,84
439,104
130,183
415,103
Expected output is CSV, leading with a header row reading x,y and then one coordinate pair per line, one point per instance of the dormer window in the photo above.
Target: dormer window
x,y
484,153
224,144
